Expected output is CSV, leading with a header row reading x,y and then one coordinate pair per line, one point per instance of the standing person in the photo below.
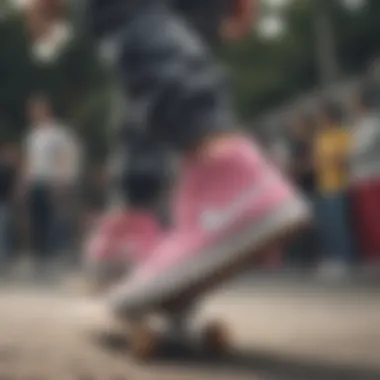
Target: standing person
x,y
365,174
68,175
229,202
47,147
301,134
331,148
8,174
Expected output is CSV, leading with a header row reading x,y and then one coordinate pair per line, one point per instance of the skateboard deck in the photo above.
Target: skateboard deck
x,y
170,332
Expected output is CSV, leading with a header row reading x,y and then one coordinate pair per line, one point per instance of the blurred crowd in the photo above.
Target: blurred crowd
x,y
50,190
47,197
332,153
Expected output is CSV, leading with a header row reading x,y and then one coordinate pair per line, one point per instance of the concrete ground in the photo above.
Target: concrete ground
x,y
283,330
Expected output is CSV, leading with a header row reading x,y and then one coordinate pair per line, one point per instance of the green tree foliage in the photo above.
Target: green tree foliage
x,y
75,82
266,73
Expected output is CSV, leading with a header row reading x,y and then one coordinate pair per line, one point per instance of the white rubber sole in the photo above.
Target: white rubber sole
x,y
197,275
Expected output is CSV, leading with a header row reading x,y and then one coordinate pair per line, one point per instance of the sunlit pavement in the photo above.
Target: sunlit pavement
x,y
283,329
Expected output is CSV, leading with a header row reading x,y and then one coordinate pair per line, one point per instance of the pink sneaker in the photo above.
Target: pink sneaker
x,y
231,206
120,241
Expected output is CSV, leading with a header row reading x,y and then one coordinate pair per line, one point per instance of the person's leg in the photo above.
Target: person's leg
x,y
323,225
34,221
362,208
314,241
4,233
68,248
60,211
371,220
335,229
230,200
343,231
304,250
376,225
47,222
41,221
335,251
298,251
71,219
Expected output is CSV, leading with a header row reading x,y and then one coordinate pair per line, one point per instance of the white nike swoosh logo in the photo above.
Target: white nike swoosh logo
x,y
212,219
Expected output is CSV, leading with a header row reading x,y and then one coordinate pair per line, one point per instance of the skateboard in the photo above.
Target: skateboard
x,y
177,311
168,330
177,331
177,335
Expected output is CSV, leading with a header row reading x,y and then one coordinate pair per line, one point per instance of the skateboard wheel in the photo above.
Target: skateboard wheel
x,y
144,342
215,338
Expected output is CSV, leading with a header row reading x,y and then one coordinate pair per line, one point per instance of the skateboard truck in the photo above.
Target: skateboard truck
x,y
177,336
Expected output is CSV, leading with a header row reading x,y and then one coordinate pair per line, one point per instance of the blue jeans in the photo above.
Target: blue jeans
x,y
5,215
64,224
333,221
305,249
42,220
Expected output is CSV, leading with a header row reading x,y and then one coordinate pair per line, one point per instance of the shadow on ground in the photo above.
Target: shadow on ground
x,y
258,364
271,367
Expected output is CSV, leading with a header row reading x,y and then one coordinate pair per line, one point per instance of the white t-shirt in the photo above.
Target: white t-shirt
x,y
52,154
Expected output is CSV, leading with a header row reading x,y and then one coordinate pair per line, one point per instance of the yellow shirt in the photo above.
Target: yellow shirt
x,y
331,151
